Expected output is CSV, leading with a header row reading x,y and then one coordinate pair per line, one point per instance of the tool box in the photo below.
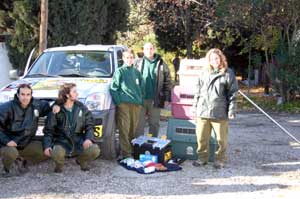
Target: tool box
x,y
152,145
182,134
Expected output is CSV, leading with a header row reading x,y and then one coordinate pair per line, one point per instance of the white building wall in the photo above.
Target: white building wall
x,y
5,65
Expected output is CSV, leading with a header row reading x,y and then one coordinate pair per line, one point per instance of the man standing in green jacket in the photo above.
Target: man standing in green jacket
x,y
127,92
156,76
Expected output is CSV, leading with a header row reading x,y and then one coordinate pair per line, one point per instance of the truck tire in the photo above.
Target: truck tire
x,y
110,145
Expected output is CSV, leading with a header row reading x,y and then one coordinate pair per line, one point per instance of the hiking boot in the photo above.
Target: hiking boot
x,y
218,165
6,173
58,168
119,158
83,166
199,163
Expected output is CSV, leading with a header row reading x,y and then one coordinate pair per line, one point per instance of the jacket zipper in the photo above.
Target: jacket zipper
x,y
69,136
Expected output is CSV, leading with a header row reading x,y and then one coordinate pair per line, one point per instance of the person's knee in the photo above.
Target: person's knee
x,y
58,152
9,152
93,151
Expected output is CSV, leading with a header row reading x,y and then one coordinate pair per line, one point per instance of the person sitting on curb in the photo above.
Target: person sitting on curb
x,y
70,132
18,125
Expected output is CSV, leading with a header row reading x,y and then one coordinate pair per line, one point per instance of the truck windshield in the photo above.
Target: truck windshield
x,y
73,64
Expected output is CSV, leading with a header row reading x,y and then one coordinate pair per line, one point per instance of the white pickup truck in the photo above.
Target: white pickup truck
x,y
91,67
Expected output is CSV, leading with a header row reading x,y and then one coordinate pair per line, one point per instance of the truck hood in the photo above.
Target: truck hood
x,y
48,88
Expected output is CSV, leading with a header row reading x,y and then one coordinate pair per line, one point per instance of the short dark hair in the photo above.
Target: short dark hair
x,y
129,51
24,86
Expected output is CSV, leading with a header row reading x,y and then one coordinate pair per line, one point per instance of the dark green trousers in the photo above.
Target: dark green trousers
x,y
153,115
33,152
58,154
127,121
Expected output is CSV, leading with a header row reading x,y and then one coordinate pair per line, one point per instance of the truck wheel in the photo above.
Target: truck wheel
x,y
110,145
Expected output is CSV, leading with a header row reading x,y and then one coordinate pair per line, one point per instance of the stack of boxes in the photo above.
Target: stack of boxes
x,y
182,128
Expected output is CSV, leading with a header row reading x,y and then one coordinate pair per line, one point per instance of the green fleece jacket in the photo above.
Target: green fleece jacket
x,y
149,76
163,85
127,86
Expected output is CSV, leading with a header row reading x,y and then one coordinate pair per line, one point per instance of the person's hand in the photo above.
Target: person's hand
x,y
47,152
12,143
55,109
87,143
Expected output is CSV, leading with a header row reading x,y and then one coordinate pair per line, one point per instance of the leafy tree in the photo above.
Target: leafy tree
x,y
6,26
285,71
70,22
21,22
118,13
139,27
178,23
86,21
270,26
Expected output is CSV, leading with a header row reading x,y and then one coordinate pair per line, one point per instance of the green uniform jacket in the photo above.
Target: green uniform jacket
x,y
19,124
163,84
127,86
69,134
215,96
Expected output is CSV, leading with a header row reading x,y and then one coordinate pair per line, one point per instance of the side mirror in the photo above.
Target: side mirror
x,y
15,74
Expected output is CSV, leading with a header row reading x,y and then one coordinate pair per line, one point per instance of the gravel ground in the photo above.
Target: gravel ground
x,y
263,163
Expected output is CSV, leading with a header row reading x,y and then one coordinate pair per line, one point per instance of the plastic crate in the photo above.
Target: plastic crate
x,y
181,94
182,134
181,106
182,111
189,81
186,150
189,71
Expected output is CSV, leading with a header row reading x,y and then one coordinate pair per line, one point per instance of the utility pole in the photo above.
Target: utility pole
x,y
43,26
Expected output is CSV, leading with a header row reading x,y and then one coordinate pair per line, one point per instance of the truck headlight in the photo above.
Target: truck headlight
x,y
4,98
97,101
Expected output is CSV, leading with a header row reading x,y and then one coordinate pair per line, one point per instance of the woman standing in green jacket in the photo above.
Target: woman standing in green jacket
x,y
127,90
215,103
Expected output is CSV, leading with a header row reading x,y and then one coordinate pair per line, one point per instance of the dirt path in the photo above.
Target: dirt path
x,y
263,163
